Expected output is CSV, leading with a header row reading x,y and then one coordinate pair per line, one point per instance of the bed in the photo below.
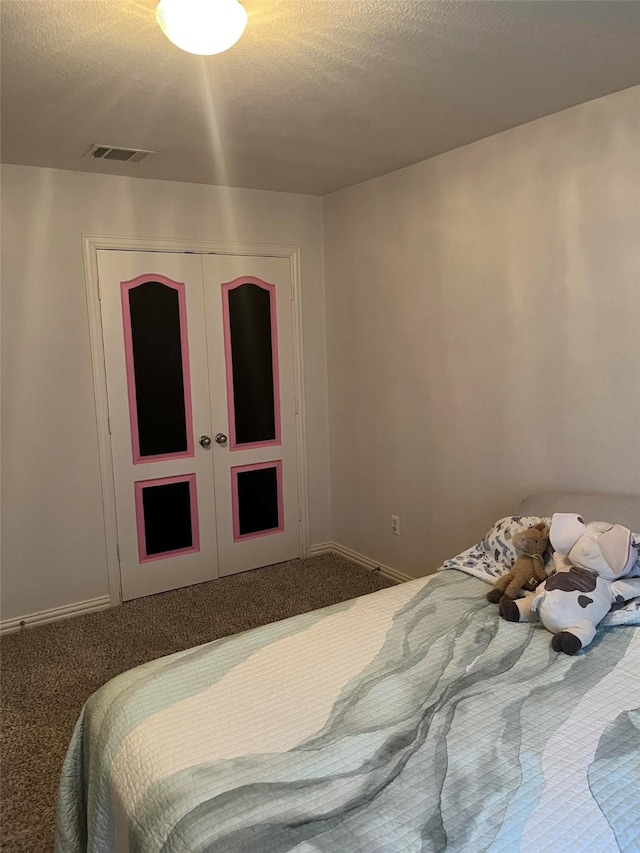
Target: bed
x,y
411,719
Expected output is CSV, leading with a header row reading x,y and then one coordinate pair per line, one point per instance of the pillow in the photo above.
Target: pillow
x,y
495,554
474,561
498,542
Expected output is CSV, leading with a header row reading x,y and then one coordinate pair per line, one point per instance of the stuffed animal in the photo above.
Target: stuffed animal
x,y
528,569
599,569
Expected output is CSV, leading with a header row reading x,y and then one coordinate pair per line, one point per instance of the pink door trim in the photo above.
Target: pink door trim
x,y
125,287
139,486
226,288
235,503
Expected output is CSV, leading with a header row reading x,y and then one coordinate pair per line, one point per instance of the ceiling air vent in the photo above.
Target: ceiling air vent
x,y
122,155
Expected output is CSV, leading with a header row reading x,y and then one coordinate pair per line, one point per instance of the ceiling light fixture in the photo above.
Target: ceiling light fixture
x,y
203,27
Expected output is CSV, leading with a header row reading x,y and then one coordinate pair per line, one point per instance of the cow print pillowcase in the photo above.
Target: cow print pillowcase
x,y
498,543
495,554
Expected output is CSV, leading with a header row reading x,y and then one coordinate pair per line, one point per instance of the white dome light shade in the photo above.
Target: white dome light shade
x,y
204,27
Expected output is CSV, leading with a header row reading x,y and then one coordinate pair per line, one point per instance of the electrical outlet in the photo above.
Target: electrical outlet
x,y
395,524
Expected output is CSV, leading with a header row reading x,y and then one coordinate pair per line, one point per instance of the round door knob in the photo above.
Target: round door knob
x,y
205,441
221,438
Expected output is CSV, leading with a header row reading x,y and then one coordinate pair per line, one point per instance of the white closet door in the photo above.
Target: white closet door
x,y
158,389
251,372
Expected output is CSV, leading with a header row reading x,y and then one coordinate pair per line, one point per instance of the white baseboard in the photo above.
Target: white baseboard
x,y
55,614
8,626
361,559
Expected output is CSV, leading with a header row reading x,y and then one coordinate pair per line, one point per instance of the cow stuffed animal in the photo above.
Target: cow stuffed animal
x,y
596,565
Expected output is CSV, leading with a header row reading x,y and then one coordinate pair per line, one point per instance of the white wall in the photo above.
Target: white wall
x,y
483,311
483,315
53,537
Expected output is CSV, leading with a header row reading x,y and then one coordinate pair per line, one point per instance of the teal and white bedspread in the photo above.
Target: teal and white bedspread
x,y
413,719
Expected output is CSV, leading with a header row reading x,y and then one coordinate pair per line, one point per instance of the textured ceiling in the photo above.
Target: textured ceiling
x,y
317,95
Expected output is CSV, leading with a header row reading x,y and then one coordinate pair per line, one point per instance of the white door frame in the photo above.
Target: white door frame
x,y
90,245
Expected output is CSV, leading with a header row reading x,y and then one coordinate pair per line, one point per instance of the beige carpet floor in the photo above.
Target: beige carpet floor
x,y
49,671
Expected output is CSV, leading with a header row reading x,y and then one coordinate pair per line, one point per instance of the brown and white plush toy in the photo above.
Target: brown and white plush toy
x,y
528,570
603,568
